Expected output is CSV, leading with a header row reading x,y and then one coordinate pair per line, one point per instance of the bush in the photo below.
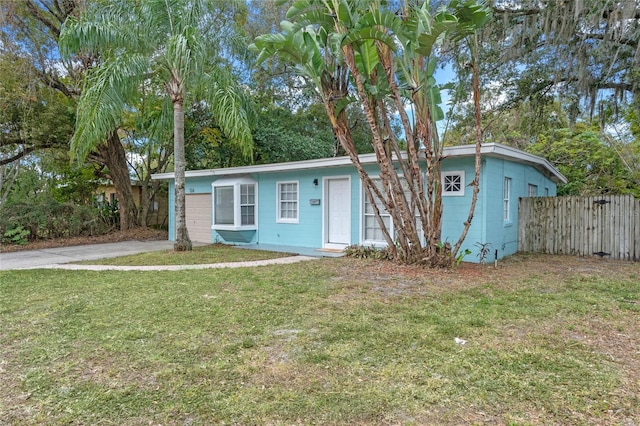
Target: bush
x,y
442,259
47,218
367,252
16,236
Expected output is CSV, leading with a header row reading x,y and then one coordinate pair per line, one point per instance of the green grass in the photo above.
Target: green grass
x,y
215,253
323,342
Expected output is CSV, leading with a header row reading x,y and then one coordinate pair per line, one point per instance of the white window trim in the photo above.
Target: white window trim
x,y
237,215
383,213
444,175
279,218
506,200
363,215
532,188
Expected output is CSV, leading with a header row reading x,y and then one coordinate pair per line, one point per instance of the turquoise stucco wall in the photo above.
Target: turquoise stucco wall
x,y
172,210
487,225
455,209
305,233
502,235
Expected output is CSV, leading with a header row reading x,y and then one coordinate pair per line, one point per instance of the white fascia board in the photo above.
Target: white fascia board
x,y
504,151
491,149
275,167
517,155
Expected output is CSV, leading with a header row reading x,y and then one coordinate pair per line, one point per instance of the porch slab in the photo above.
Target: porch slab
x,y
303,251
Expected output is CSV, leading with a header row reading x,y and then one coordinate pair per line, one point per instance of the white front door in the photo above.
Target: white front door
x,y
337,213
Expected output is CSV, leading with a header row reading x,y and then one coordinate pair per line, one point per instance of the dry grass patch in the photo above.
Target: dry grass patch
x,y
549,340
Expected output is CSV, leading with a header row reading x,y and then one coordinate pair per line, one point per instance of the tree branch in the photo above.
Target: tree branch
x,y
21,154
625,41
36,12
53,82
516,12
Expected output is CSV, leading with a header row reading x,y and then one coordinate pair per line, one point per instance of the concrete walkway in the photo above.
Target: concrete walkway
x,y
60,257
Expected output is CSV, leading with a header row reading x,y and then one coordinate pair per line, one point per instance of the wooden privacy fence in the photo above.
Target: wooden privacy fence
x,y
607,226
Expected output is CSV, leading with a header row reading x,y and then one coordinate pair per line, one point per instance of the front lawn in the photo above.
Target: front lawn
x,y
549,340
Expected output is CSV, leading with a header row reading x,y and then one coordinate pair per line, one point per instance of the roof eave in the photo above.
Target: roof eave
x,y
491,149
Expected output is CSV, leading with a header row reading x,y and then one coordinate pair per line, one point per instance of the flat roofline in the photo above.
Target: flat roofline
x,y
489,149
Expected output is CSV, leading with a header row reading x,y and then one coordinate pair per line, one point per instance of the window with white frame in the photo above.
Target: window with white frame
x,y
372,232
247,204
532,190
453,183
234,204
506,200
288,202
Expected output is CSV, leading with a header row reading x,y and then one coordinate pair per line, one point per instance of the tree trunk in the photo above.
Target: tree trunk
x,y
144,203
8,174
478,134
183,243
407,241
112,155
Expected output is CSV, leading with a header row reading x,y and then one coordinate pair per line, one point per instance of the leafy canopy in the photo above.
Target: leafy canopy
x,y
164,43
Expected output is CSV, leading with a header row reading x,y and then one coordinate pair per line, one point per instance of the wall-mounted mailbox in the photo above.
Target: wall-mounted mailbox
x,y
314,201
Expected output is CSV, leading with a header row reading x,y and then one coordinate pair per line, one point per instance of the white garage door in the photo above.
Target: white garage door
x,y
198,212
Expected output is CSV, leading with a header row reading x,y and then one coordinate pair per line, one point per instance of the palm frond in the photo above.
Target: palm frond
x,y
106,95
165,40
232,108
102,29
161,128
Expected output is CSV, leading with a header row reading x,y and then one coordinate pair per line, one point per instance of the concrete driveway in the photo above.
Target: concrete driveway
x,y
59,258
31,259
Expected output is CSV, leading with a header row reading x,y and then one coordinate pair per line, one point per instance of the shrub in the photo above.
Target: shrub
x,y
47,218
17,235
368,252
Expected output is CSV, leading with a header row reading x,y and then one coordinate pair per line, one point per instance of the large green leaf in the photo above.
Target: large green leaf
x,y
369,34
470,16
309,12
367,57
434,99
428,41
108,91
477,14
382,19
341,104
314,56
299,7
344,14
431,66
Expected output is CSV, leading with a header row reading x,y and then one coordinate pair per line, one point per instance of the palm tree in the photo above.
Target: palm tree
x,y
168,43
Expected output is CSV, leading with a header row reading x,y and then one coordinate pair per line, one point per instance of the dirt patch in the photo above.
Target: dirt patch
x,y
393,280
509,271
137,234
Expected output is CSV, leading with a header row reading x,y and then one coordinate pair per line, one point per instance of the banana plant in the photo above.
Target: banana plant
x,y
385,60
